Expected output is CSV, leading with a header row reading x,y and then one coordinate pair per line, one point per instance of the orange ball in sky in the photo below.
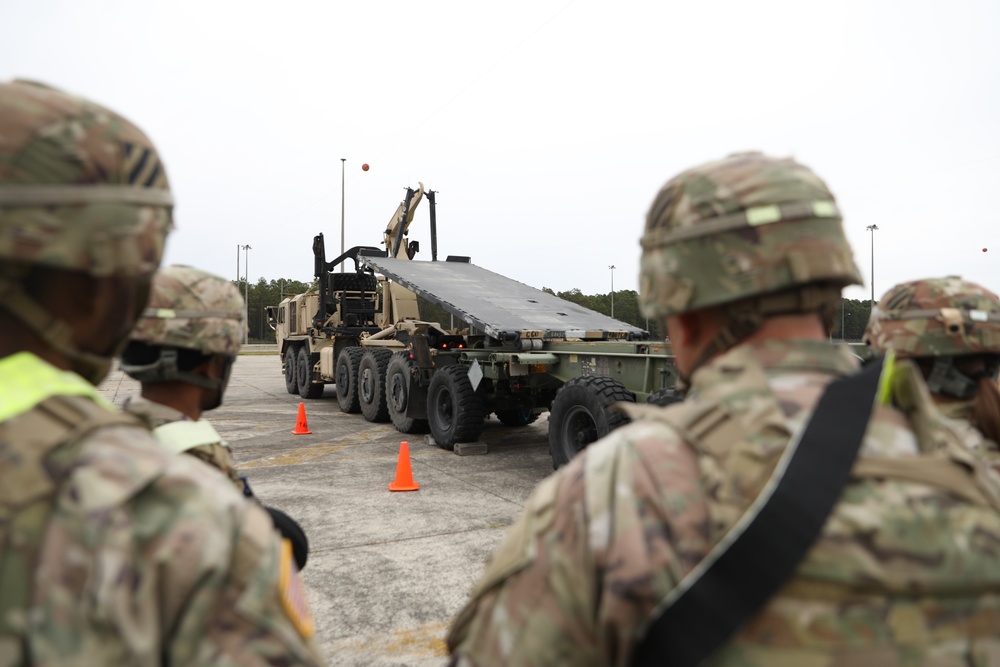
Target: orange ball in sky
x,y
364,167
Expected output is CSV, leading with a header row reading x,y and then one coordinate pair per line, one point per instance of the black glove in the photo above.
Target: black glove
x,y
291,531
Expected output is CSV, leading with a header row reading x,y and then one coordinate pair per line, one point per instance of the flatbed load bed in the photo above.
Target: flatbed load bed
x,y
500,307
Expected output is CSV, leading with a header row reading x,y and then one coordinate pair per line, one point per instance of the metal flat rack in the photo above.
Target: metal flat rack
x,y
503,308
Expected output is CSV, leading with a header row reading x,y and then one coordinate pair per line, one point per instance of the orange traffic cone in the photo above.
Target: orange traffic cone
x,y
404,475
301,426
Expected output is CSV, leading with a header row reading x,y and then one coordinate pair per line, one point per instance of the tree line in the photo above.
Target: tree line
x,y
850,323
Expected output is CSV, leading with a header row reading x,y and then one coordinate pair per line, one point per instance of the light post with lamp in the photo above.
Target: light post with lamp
x,y
873,229
246,292
612,267
343,161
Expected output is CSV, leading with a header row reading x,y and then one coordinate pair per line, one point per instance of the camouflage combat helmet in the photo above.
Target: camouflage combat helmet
x,y
745,226
188,309
939,318
81,189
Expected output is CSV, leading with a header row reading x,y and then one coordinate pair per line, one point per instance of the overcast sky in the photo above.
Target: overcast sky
x,y
546,126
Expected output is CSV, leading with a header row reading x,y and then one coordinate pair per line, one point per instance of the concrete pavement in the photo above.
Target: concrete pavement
x,y
387,571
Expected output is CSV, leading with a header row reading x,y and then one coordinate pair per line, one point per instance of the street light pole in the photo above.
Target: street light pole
x,y
246,293
612,267
873,229
343,161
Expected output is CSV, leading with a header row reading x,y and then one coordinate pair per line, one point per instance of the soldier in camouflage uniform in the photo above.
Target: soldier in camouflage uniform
x,y
182,350
745,259
112,550
951,329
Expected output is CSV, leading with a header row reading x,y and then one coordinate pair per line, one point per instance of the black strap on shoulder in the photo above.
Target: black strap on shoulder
x,y
763,549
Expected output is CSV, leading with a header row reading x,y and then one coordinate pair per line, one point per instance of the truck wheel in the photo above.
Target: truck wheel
x,y
664,397
304,368
454,411
347,379
353,282
397,387
291,375
371,384
517,416
581,413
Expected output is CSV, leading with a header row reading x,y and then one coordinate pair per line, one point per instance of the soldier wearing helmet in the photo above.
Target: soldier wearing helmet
x,y
744,258
182,351
951,329
112,550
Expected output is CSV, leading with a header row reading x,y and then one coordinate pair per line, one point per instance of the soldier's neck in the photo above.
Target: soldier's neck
x,y
181,396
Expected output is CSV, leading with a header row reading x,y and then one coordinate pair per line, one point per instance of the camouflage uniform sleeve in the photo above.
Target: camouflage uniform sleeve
x,y
152,558
244,603
599,544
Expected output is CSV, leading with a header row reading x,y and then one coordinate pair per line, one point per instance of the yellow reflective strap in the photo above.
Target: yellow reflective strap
x,y
165,313
885,380
26,381
180,436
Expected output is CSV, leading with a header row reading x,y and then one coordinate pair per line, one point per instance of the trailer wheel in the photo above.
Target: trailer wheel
x,y
454,411
397,386
581,413
347,379
665,397
517,416
291,375
371,384
304,369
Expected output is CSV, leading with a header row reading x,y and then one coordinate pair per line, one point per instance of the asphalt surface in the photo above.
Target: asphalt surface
x,y
387,571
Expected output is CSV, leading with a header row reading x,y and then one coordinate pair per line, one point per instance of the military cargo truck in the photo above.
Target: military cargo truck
x,y
516,351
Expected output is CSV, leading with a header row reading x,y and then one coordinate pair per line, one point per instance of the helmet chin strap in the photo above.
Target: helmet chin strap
x,y
165,369
947,380
53,331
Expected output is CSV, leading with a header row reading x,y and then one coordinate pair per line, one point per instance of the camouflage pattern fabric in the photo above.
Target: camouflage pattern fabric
x,y
904,573
216,454
936,317
81,188
136,556
743,226
193,309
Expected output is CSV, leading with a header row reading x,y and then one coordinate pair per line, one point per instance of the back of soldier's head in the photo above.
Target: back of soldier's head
x,y
82,191
739,228
938,322
192,315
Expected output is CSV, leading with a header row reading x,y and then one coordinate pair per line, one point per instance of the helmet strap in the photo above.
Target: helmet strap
x,y
53,331
947,380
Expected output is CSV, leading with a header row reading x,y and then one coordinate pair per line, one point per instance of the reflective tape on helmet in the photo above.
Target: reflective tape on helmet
x,y
171,314
57,195
754,216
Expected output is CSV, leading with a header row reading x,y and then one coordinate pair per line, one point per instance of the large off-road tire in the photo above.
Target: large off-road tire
x,y
581,414
665,397
353,282
291,375
397,395
517,416
304,370
346,376
371,384
454,411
